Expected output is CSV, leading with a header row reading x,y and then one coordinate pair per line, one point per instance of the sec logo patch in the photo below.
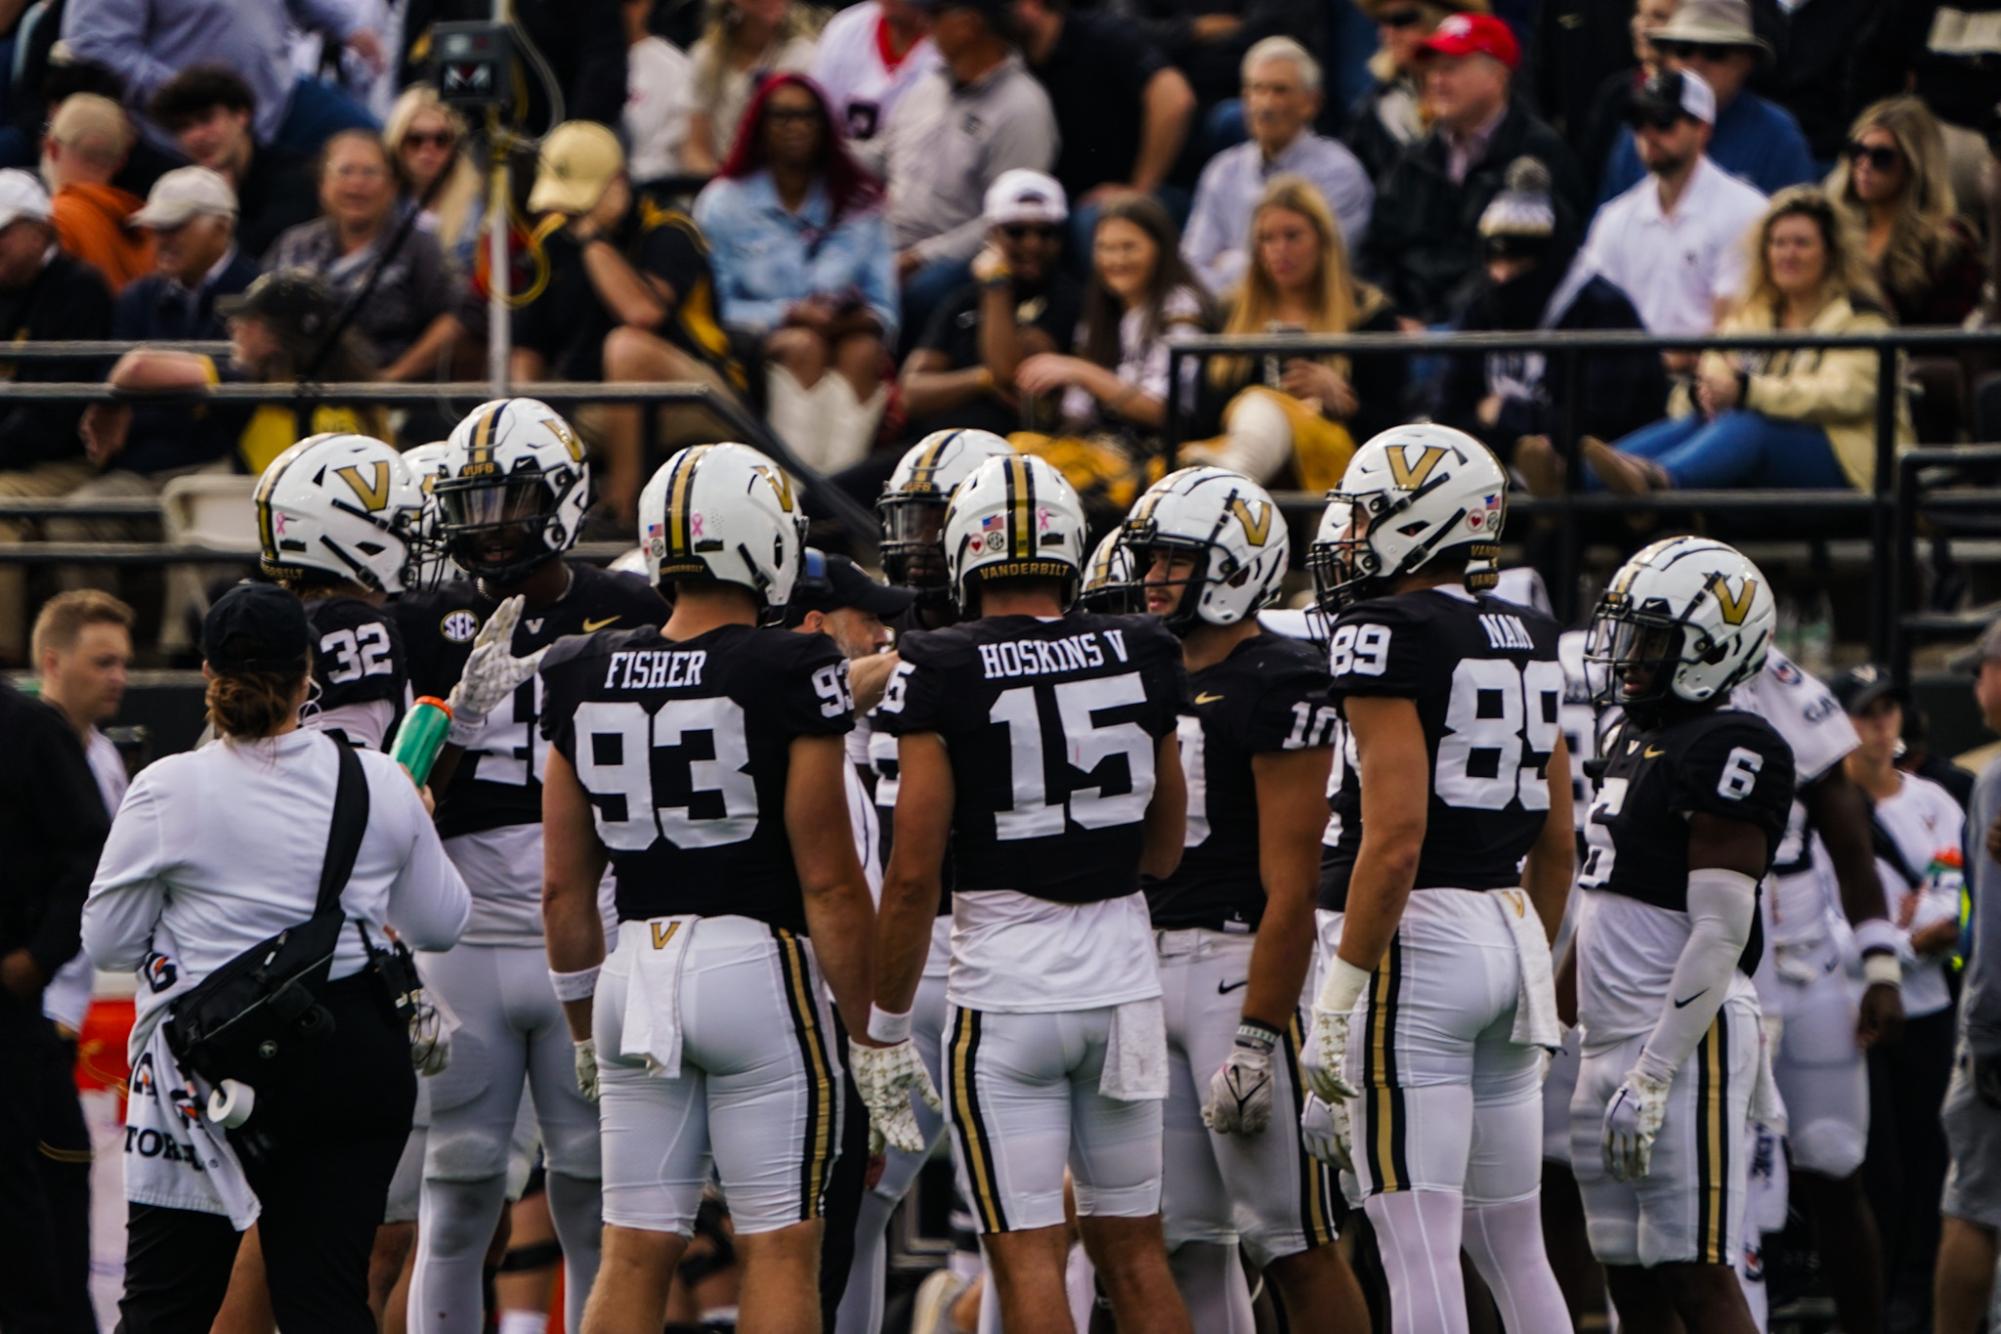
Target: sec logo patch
x,y
459,626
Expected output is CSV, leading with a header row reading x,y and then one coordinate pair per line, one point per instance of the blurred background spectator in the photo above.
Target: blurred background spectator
x,y
803,265
434,171
1788,418
1390,116
869,56
658,74
744,42
400,291
1295,421
1281,84
209,110
86,146
1593,127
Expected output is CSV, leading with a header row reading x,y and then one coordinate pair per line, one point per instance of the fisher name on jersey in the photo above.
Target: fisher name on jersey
x,y
1052,727
1268,695
1484,677
684,747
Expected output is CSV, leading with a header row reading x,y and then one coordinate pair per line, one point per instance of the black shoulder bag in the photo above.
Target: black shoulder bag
x,y
248,1018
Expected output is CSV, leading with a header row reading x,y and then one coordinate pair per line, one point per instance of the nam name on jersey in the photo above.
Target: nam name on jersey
x,y
1042,657
654,669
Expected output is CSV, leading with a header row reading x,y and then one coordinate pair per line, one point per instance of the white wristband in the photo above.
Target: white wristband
x,y
465,730
888,1028
1878,969
1877,934
580,985
1342,987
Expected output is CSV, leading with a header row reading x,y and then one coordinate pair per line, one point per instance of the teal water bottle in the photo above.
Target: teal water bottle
x,y
421,737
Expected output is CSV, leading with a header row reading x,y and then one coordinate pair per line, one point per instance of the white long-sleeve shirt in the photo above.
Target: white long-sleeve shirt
x,y
223,846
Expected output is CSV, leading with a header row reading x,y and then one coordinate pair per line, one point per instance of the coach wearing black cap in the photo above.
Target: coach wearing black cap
x,y
214,852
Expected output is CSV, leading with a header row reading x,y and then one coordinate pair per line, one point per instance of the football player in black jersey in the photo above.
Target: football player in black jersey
x,y
510,496
339,522
1685,819
1234,923
703,760
1446,878
1041,748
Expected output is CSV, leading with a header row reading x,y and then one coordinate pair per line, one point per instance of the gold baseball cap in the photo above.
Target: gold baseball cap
x,y
579,159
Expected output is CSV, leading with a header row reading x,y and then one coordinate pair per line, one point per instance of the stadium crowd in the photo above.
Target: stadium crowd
x,y
910,217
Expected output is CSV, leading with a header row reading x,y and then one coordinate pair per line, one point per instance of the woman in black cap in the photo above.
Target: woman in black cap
x,y
214,853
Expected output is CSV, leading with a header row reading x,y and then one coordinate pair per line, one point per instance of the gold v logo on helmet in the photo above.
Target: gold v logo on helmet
x,y
1734,609
780,483
373,494
1408,475
1256,529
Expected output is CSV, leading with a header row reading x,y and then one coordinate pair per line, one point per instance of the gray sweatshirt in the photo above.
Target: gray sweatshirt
x,y
947,143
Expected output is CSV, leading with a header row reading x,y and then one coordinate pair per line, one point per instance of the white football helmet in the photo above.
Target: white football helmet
x,y
514,488
1109,585
427,464
1687,618
1411,495
1228,525
1013,518
724,513
343,506
911,509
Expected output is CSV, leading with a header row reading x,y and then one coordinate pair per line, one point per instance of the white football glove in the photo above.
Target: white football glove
x,y
492,672
587,1068
886,1077
1323,1128
1325,1053
1240,1091
1631,1122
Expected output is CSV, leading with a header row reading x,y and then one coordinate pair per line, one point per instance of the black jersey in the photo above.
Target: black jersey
x,y
1268,695
684,747
1052,727
1484,676
499,781
357,653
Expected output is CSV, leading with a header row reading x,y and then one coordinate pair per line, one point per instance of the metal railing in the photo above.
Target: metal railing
x,y
1944,512
1878,506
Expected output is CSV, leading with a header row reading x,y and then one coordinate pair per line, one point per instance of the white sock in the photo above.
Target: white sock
x,y
1505,1243
1080,1281
455,1223
1259,441
576,1207
861,1304
1417,1234
1211,1281
524,1322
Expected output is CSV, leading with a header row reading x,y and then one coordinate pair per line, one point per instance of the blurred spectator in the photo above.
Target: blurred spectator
x,y
1423,245
1593,132
150,43
87,144
208,110
656,104
1674,243
1128,110
1755,139
634,281
1207,41
1893,184
45,296
582,42
427,141
1281,99
1786,418
746,41
950,139
1519,402
1389,118
803,263
33,102
1020,303
1582,49
1299,418
1837,57
410,311
869,56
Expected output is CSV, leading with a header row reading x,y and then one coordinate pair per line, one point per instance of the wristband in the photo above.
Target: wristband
x,y
465,729
886,1027
1882,970
1260,1037
580,985
1343,986
1877,935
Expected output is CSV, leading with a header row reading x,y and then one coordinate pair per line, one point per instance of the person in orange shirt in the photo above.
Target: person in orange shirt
x,y
86,145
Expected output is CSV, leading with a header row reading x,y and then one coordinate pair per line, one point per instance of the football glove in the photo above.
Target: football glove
x,y
1326,1052
1240,1092
1631,1122
492,673
1324,1129
886,1077
587,1068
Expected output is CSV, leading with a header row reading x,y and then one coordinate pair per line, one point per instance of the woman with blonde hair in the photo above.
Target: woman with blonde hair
x,y
1309,413
1893,182
745,42
427,150
1785,417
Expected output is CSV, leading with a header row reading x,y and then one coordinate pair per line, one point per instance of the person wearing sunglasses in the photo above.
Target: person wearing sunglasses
x,y
427,140
1892,181
1387,118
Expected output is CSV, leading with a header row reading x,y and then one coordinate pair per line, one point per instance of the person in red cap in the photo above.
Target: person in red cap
x,y
1422,244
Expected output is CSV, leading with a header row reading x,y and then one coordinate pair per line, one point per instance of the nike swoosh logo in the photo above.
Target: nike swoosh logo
x,y
1680,1004
1653,753
1225,988
1207,698
599,625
